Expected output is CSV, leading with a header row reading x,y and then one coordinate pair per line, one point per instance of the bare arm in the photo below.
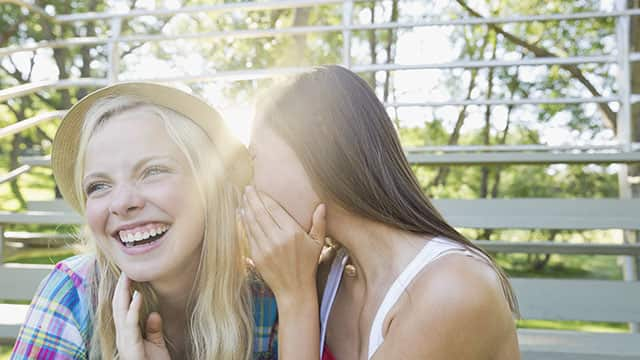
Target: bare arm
x,y
454,311
299,326
287,259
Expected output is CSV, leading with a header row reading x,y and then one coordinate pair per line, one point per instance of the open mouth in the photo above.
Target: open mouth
x,y
143,236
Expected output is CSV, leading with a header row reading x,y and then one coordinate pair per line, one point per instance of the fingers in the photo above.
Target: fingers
x,y
153,329
255,235
319,224
279,215
251,224
120,302
133,313
263,213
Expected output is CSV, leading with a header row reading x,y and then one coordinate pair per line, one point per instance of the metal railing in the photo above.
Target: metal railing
x,y
624,97
622,151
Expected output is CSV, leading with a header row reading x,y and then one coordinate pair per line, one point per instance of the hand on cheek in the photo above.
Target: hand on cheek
x,y
285,255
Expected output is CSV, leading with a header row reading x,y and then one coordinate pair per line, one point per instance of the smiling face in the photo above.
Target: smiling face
x,y
279,173
142,203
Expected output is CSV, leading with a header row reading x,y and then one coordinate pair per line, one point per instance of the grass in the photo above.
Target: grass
x,y
599,267
5,351
573,326
40,256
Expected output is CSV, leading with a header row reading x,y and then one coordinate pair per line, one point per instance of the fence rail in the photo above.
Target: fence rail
x,y
623,152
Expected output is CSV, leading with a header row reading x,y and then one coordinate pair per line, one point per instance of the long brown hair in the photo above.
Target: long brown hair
x,y
348,145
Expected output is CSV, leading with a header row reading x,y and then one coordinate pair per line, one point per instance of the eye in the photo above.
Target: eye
x,y
95,186
154,170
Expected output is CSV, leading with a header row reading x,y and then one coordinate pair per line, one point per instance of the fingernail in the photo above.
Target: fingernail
x,y
135,295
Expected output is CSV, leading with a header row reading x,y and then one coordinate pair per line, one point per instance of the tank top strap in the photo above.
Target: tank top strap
x,y
433,249
330,292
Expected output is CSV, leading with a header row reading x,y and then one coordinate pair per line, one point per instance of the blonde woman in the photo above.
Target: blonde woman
x,y
156,176
404,284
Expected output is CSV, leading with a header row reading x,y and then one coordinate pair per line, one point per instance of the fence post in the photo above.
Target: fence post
x,y
347,15
1,245
623,28
113,50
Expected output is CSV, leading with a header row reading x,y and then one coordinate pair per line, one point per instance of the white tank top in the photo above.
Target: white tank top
x,y
433,250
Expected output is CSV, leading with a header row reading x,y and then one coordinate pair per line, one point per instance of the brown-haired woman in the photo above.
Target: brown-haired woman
x,y
327,158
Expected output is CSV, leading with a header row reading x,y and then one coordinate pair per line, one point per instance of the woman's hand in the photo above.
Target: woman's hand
x,y
129,341
287,259
284,254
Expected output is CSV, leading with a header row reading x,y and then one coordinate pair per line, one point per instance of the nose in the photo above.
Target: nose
x,y
126,201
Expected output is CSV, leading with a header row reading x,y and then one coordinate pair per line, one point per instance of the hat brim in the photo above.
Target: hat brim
x,y
65,143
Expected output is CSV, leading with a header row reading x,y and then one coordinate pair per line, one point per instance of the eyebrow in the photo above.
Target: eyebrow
x,y
141,163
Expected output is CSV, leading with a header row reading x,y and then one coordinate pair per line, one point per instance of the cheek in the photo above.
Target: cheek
x,y
289,188
179,198
96,214
166,195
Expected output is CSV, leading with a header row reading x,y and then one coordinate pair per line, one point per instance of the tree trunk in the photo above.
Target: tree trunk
x,y
609,116
372,43
390,50
298,55
443,171
486,134
634,169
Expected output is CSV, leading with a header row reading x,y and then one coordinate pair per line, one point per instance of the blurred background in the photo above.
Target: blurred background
x,y
521,118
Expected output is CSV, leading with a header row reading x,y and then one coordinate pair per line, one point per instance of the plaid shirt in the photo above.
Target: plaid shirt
x,y
58,324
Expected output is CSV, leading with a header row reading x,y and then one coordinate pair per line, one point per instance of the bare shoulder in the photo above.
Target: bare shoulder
x,y
460,280
455,308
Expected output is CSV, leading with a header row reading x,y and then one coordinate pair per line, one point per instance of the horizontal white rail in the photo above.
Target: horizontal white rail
x,y
522,158
530,101
549,247
14,173
30,88
226,7
284,4
515,148
30,122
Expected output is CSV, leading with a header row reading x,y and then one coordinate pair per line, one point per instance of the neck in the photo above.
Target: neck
x,y
173,295
173,291
378,251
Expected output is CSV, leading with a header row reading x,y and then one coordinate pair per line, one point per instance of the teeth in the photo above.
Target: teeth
x,y
129,238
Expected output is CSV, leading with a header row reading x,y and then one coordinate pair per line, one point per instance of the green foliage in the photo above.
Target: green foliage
x,y
473,125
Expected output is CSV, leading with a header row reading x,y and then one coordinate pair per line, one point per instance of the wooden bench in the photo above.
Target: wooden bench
x,y
563,299
589,300
27,239
18,282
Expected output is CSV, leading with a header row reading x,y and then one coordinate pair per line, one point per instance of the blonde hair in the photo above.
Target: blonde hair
x,y
220,322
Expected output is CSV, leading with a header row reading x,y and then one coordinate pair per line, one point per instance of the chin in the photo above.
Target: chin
x,y
140,272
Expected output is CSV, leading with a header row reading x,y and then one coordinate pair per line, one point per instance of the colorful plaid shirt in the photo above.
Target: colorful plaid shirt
x,y
58,323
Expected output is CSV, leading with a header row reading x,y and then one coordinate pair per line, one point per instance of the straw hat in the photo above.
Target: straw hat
x,y
65,143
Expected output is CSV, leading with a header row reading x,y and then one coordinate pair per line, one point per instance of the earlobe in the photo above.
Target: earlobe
x,y
318,224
